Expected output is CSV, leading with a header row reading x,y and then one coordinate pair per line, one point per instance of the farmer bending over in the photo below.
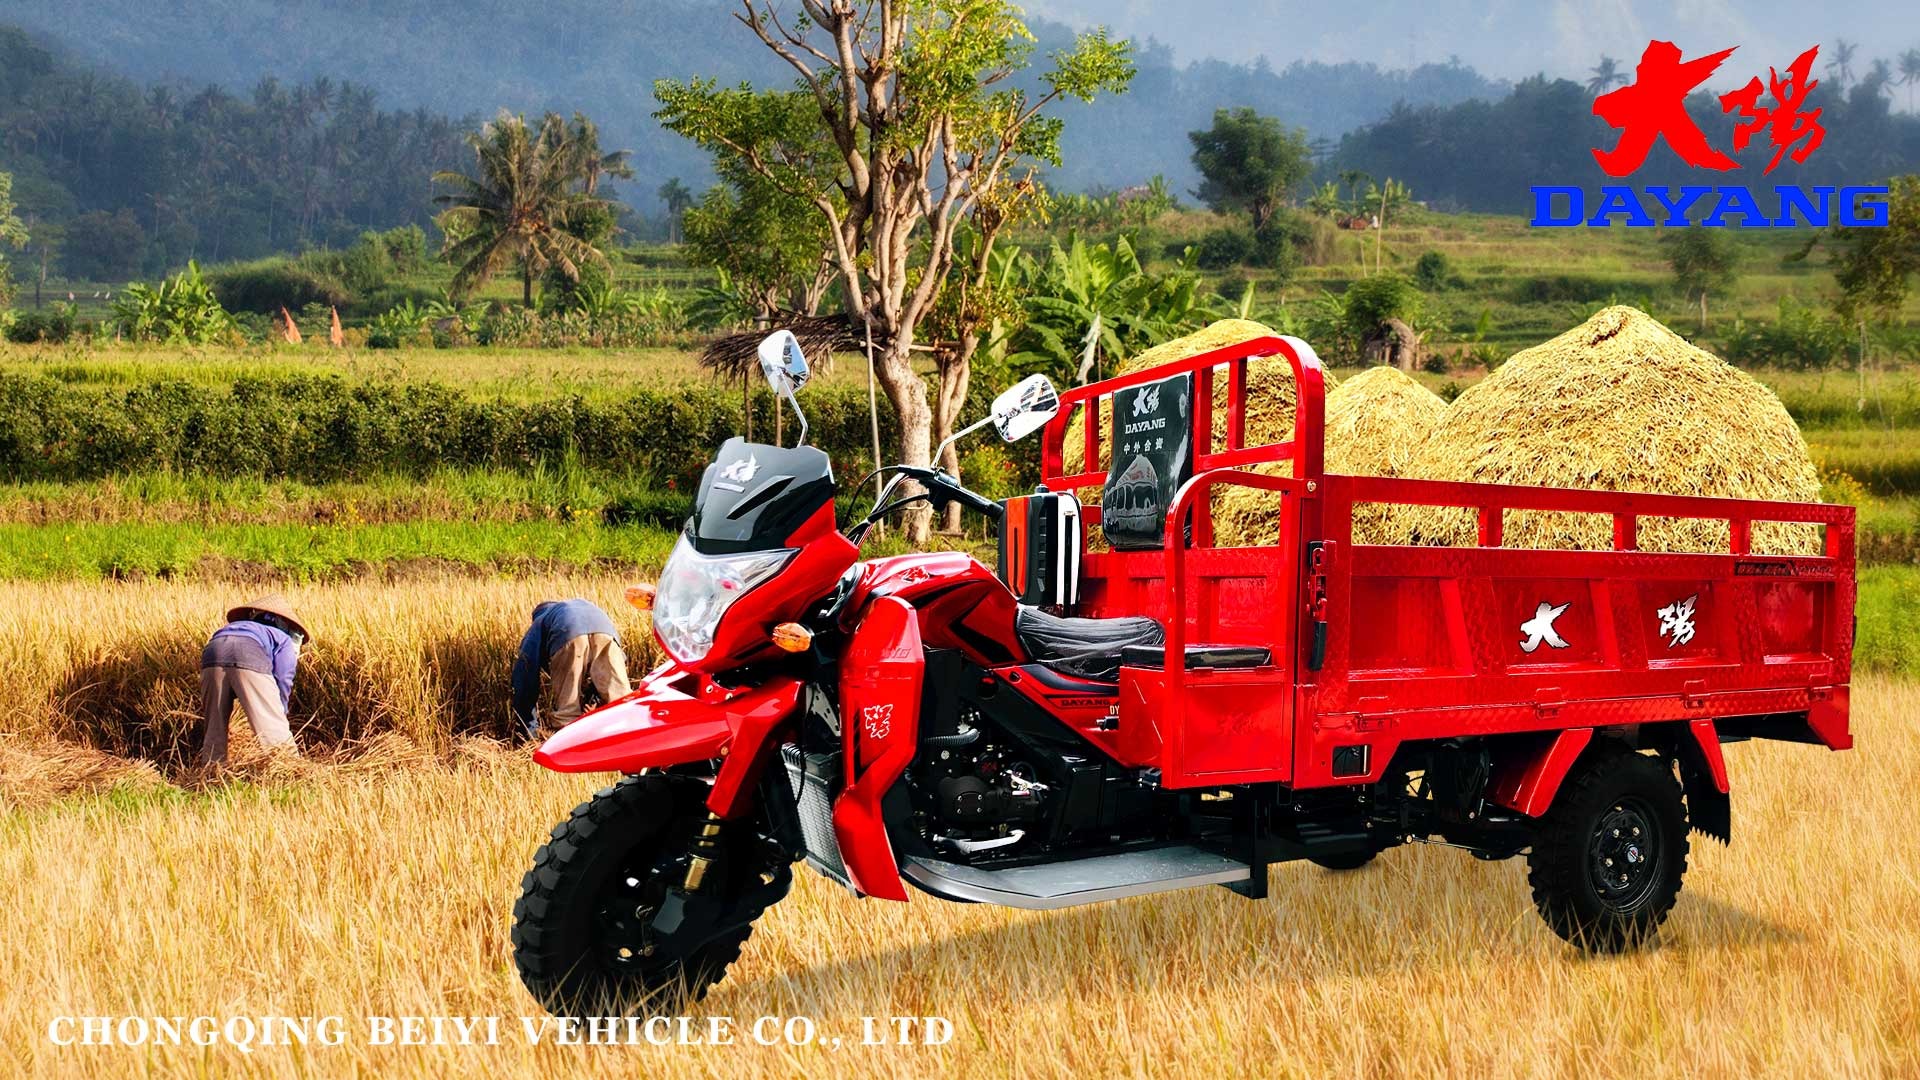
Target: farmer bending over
x,y
251,660
576,644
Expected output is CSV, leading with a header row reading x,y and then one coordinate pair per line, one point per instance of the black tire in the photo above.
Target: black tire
x,y
1346,860
582,934
1608,858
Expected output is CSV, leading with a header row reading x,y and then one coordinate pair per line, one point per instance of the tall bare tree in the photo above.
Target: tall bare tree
x,y
923,120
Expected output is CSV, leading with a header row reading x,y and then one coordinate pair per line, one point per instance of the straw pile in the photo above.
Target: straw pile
x,y
1377,422
1619,403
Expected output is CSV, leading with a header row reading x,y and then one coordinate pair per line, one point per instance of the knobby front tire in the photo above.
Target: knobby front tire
x,y
582,934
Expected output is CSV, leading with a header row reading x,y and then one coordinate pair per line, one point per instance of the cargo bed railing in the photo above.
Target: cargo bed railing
x,y
1490,502
1304,449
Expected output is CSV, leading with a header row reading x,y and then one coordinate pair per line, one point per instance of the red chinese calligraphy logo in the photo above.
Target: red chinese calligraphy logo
x,y
1785,123
1654,106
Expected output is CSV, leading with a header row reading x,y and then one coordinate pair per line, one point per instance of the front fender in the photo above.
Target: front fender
x,y
662,724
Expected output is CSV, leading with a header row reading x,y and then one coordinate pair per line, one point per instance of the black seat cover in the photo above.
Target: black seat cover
x,y
1088,648
1200,656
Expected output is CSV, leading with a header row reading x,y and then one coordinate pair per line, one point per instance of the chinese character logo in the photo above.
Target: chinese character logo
x,y
741,471
1784,123
1654,106
1147,400
1540,627
877,721
1676,621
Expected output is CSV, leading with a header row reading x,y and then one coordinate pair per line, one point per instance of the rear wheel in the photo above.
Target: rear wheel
x,y
1608,858
586,934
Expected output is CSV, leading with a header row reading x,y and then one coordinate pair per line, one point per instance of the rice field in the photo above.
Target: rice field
x,y
381,886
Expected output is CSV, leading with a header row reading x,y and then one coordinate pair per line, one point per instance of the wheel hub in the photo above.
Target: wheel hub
x,y
1624,853
632,899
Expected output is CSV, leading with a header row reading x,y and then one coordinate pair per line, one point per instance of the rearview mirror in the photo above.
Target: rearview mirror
x,y
783,362
1025,408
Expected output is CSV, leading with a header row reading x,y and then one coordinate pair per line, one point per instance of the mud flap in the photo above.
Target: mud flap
x,y
1703,777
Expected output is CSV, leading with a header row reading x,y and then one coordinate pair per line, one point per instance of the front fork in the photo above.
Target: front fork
x,y
706,848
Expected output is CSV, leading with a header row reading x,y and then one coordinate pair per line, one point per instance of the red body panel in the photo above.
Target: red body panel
x,y
677,717
962,605
880,679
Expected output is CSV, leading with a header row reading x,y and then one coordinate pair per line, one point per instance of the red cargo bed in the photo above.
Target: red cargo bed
x,y
1375,645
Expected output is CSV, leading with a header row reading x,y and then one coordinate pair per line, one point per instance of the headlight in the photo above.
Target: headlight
x,y
696,590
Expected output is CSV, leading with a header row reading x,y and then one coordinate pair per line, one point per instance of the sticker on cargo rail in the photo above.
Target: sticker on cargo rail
x,y
1748,568
1540,627
1676,621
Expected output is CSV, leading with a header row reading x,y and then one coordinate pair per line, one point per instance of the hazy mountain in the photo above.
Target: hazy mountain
x,y
602,58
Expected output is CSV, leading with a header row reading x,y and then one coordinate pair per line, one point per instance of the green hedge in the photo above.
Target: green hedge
x,y
321,428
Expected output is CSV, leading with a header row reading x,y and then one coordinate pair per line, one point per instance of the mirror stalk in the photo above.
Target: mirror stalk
x,y
941,450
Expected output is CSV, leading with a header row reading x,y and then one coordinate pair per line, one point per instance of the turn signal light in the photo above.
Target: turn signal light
x,y
641,596
792,637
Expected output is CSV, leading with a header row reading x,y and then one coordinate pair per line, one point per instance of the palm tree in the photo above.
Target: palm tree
x,y
594,164
678,198
519,205
1841,63
1880,77
1910,73
1606,76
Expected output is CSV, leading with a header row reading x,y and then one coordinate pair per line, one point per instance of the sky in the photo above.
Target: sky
x,y
1502,38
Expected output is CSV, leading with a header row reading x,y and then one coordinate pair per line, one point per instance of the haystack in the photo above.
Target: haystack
x,y
1376,424
1619,403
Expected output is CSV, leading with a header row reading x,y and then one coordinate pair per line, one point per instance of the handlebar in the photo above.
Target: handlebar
x,y
941,489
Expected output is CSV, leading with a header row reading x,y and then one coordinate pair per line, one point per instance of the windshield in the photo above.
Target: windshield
x,y
754,496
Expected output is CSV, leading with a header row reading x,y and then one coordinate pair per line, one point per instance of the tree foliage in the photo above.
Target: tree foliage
x,y
1249,162
923,120
1102,292
182,310
1703,262
13,233
529,203
209,173
772,245
1874,266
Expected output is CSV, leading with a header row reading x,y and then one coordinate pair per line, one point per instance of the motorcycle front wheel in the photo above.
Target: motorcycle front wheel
x,y
586,934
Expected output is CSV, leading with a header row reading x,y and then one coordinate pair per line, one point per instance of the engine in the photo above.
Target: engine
x,y
978,794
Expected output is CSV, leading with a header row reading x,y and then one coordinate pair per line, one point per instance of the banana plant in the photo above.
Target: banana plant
x,y
1103,293
181,310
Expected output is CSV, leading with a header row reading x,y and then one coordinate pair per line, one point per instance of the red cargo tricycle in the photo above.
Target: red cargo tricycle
x,y
1081,725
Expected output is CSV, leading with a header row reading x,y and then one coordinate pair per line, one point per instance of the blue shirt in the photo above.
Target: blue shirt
x,y
253,646
555,623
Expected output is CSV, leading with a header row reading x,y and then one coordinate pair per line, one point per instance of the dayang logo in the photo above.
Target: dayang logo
x,y
1654,106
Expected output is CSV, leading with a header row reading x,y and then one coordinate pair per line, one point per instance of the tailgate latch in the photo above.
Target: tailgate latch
x,y
1319,558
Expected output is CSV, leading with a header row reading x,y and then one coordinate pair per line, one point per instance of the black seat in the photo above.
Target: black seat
x,y
1087,648
1199,656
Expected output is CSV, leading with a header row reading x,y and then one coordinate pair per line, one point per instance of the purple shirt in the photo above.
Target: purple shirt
x,y
253,646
